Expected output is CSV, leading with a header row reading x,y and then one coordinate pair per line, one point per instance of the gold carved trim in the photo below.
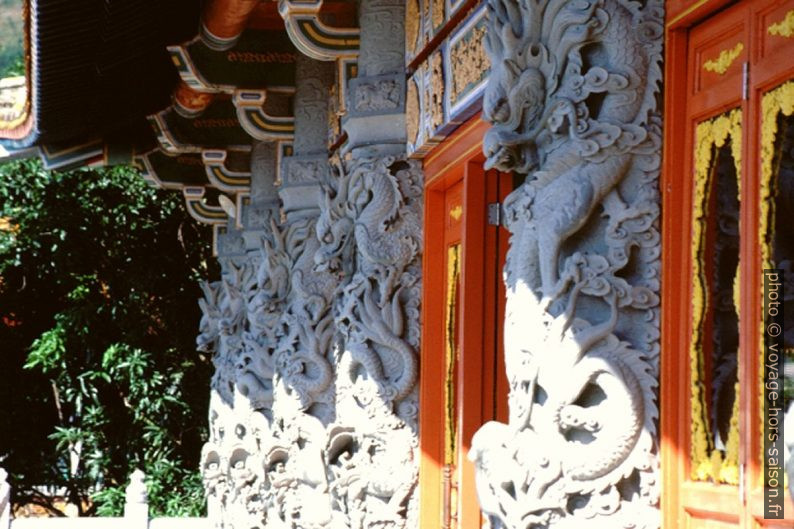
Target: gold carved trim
x,y
784,28
412,110
469,62
773,103
456,213
724,60
708,464
450,355
687,12
778,101
412,26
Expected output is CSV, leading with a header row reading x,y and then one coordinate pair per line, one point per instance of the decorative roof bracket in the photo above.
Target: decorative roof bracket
x,y
254,113
221,176
314,38
198,208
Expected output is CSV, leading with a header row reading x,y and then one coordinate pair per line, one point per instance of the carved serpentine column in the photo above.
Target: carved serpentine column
x,y
238,312
304,357
370,231
573,100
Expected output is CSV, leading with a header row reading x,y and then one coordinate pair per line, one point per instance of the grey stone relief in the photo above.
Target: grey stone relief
x,y
238,328
375,117
372,220
573,98
315,330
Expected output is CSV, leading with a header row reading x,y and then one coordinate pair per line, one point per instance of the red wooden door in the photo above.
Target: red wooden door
x,y
722,67
463,382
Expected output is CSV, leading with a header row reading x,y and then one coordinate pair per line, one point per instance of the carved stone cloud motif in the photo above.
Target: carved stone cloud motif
x,y
572,97
315,338
373,220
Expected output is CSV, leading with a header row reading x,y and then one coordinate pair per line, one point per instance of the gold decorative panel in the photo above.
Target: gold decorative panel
x,y
724,60
784,28
715,263
451,355
776,234
451,80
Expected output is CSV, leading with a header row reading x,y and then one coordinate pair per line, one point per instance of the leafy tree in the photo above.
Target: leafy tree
x,y
11,32
98,315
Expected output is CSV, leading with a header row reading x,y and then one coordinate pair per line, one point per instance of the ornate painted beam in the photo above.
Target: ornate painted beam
x,y
170,171
221,176
260,58
64,157
188,72
215,127
314,38
199,209
254,111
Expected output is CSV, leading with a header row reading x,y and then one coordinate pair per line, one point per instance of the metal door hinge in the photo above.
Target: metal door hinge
x,y
494,214
745,81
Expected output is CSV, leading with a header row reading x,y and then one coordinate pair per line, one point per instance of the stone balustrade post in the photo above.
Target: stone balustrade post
x,y
5,501
136,505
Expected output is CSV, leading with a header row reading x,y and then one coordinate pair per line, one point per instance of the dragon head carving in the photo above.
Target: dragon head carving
x,y
334,228
272,277
532,46
515,96
207,340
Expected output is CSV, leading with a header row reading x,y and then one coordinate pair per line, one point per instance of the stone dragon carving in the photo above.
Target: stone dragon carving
x,y
371,218
303,356
572,97
374,216
239,325
239,387
222,325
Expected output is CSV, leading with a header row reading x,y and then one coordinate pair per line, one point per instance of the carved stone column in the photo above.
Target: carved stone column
x,y
304,355
376,98
573,98
236,328
370,231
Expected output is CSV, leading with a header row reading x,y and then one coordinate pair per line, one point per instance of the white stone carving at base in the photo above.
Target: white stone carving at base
x,y
373,220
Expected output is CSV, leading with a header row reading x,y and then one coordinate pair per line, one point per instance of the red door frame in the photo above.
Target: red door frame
x,y
459,158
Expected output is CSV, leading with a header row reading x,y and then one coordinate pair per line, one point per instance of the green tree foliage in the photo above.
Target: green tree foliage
x,y
12,32
98,316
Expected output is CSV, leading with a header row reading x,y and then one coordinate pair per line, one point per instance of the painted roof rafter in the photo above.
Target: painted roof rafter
x,y
312,36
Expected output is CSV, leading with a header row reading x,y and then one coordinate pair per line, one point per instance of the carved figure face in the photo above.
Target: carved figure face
x,y
212,472
272,277
239,470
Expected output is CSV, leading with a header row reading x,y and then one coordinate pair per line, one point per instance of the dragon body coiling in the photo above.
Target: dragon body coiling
x,y
302,356
572,98
372,220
